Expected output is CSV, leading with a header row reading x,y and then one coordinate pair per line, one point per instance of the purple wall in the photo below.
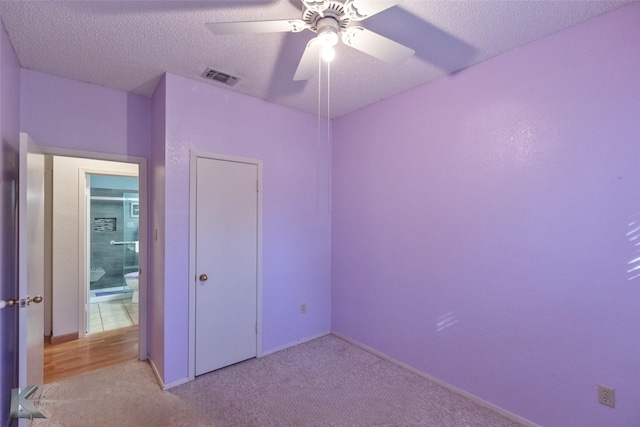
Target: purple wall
x,y
64,113
296,228
9,138
483,223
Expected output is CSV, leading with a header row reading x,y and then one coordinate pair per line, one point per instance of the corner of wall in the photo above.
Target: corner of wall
x,y
156,228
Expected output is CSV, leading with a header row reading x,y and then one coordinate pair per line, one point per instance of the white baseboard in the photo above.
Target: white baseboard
x,y
164,386
176,383
156,373
448,386
292,344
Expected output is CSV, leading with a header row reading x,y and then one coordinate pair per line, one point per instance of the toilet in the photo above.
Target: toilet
x,y
131,280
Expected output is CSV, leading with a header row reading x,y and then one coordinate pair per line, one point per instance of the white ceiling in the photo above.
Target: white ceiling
x,y
128,45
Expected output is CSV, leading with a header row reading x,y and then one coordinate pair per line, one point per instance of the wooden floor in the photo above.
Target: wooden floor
x,y
92,352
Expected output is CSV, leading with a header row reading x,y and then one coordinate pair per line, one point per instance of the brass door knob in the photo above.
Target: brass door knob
x,y
36,300
203,277
8,303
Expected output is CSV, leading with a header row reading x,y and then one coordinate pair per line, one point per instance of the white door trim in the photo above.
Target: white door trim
x,y
143,352
192,250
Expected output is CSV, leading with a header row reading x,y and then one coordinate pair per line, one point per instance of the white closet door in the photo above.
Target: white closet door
x,y
226,263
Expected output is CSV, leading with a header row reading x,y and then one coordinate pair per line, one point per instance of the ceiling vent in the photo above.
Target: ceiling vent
x,y
219,76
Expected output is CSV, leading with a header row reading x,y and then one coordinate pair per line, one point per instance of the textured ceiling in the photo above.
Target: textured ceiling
x,y
128,45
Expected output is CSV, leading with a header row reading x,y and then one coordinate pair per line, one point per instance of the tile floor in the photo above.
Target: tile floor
x,y
108,315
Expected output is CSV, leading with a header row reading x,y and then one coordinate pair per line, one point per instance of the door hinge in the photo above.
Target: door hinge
x,y
256,327
257,186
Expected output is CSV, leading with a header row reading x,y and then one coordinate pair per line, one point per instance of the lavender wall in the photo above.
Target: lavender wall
x,y
9,138
296,245
63,113
483,226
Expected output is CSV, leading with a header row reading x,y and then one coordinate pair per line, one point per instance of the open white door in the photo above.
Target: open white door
x,y
30,263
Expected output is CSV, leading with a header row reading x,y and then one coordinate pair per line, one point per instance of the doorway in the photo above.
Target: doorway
x,y
112,233
74,182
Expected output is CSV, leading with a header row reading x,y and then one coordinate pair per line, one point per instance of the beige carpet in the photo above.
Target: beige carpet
x,y
325,382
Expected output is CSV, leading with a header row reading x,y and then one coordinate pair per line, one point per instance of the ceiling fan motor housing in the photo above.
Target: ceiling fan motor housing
x,y
315,17
328,29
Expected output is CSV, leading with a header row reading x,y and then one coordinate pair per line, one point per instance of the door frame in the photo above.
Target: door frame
x,y
192,249
143,352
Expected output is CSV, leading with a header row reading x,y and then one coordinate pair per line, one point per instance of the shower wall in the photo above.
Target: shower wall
x,y
113,220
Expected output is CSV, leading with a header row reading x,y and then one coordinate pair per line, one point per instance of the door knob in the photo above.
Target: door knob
x,y
36,300
203,277
23,302
8,303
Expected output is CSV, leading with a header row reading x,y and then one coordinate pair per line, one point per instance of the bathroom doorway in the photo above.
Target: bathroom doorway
x,y
71,346
116,188
113,246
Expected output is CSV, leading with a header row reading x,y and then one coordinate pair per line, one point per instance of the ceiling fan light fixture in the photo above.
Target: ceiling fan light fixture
x,y
328,38
328,53
328,29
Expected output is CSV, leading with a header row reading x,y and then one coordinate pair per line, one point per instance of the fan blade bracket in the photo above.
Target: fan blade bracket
x,y
297,25
378,46
359,10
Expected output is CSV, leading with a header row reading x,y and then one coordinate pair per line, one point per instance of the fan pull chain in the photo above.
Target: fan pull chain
x,y
318,162
329,137
319,136
328,101
319,93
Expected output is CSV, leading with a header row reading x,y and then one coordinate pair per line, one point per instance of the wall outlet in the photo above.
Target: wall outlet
x,y
607,396
303,308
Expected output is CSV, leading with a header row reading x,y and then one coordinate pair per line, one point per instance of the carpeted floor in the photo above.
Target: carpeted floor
x,y
325,382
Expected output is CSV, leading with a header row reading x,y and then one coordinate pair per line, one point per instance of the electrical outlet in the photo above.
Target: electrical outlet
x,y
303,308
607,396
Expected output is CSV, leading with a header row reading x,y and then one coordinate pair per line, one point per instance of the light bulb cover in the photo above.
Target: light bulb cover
x,y
328,53
328,38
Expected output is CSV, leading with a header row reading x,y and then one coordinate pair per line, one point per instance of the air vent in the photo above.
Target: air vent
x,y
219,76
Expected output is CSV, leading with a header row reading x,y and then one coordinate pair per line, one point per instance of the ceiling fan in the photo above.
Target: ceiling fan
x,y
329,19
